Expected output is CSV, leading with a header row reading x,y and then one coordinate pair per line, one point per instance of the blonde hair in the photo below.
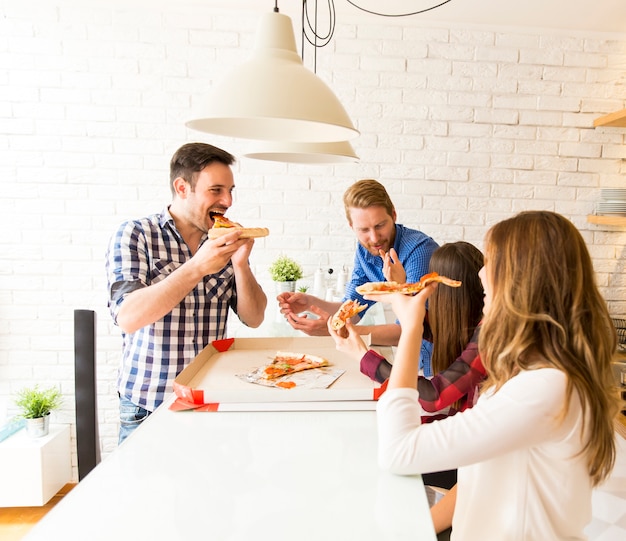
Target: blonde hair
x,y
546,310
364,194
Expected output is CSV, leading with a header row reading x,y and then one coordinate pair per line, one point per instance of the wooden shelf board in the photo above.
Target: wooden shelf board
x,y
612,120
606,220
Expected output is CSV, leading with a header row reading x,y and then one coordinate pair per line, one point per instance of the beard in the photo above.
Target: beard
x,y
374,249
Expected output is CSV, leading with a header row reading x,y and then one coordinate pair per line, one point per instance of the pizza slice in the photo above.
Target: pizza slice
x,y
223,226
407,289
347,310
429,278
286,362
379,287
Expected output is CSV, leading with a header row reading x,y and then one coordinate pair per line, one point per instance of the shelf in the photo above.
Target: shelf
x,y
34,470
606,220
613,120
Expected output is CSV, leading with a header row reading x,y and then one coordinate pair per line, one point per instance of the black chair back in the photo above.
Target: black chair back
x,y
87,439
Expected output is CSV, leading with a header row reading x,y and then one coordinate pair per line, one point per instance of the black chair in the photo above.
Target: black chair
x,y
87,438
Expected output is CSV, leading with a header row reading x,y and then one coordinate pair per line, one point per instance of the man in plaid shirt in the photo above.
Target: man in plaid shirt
x,y
170,287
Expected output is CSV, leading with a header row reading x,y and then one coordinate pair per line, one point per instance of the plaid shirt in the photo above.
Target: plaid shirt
x,y
143,252
458,382
414,249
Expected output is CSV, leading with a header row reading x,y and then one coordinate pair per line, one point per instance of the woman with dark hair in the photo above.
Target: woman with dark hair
x,y
452,324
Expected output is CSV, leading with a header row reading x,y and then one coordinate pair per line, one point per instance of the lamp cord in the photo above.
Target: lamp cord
x,y
397,14
310,32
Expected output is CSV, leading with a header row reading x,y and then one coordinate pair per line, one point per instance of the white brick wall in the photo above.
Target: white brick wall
x,y
464,126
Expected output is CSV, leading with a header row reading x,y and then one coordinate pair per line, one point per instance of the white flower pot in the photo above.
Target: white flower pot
x,y
285,286
39,427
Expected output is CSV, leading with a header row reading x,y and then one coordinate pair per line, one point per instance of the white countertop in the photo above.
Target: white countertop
x,y
244,476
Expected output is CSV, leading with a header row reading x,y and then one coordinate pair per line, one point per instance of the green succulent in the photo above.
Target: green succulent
x,y
34,402
285,269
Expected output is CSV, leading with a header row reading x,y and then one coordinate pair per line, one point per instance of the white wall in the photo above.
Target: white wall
x,y
465,126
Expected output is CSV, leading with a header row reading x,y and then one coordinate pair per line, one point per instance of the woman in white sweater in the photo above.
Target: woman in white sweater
x,y
541,435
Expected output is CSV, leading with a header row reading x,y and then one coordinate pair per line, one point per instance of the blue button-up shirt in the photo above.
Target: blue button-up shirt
x,y
414,249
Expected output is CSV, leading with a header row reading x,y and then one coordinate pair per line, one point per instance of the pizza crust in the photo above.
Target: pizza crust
x,y
379,288
247,232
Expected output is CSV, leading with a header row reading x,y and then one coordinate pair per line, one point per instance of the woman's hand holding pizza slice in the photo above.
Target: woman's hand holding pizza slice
x,y
406,289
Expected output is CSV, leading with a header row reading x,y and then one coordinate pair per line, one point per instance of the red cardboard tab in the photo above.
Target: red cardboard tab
x,y
187,394
223,345
379,392
181,405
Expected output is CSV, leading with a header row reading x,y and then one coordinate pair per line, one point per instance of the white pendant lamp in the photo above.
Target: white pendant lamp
x,y
273,96
304,153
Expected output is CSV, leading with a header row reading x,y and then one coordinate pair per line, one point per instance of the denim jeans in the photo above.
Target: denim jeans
x,y
131,416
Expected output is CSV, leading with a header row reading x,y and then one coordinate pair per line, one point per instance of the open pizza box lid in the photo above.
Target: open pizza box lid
x,y
213,382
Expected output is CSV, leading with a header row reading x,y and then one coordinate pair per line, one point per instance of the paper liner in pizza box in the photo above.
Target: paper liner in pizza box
x,y
228,376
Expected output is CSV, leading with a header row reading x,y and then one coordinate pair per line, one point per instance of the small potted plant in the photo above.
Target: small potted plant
x,y
285,271
35,405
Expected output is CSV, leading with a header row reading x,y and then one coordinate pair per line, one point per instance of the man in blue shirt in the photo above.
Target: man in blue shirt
x,y
385,248
170,287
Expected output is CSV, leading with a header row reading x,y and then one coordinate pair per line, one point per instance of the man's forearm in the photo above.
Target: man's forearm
x,y
151,303
251,299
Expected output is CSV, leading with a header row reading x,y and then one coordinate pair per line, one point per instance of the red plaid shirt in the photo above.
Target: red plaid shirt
x,y
459,382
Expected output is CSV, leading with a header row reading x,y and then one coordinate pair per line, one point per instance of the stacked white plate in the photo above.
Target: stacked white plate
x,y
613,202
620,326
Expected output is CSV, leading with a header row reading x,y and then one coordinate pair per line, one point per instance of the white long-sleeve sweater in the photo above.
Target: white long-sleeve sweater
x,y
519,478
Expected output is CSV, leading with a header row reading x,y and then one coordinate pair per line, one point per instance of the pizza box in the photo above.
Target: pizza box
x,y
213,382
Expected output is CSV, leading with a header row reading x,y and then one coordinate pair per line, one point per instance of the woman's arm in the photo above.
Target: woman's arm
x,y
411,311
375,366
522,413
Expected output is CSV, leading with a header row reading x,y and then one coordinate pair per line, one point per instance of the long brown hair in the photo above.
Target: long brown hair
x,y
546,310
454,312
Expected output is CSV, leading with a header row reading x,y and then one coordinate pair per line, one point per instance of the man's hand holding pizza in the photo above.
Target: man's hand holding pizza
x,y
241,256
214,254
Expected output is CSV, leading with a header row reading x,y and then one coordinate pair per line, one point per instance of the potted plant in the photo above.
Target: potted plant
x,y
285,271
35,405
